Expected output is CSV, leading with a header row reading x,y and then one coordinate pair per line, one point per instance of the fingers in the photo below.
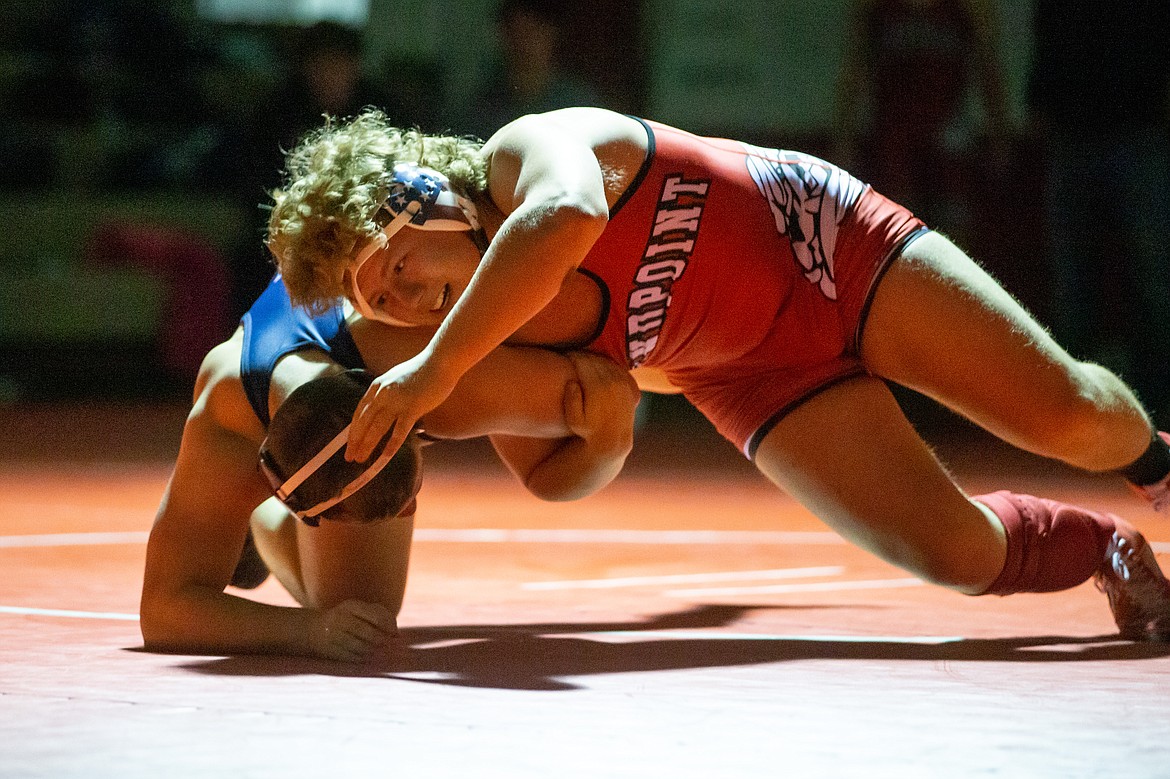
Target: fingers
x,y
369,426
352,631
371,420
574,408
394,402
385,408
398,434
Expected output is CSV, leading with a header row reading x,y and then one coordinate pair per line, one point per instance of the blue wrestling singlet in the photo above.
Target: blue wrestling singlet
x,y
274,328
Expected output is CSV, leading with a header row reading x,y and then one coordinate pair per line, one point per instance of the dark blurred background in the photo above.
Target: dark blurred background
x,y
139,139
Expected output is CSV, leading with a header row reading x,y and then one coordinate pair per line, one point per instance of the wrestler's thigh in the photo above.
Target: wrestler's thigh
x,y
941,325
340,561
849,455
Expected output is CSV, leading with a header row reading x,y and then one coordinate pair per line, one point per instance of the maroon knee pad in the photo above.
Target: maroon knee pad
x,y
1050,545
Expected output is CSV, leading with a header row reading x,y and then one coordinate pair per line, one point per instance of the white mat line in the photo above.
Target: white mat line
x,y
500,536
684,578
493,536
571,536
872,584
702,635
67,613
90,512
75,539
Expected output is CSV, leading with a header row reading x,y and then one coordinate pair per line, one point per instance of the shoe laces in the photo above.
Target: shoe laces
x,y
1138,593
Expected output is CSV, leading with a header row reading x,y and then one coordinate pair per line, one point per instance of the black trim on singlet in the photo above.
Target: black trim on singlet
x,y
894,253
606,297
598,329
762,431
643,171
603,315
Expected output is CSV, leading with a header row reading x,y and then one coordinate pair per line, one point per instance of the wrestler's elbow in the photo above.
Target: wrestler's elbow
x,y
157,632
573,479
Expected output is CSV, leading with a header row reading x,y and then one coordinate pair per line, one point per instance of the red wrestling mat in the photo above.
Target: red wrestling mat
x,y
688,621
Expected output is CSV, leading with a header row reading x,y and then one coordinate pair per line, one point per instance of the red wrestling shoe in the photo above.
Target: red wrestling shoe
x,y
1138,593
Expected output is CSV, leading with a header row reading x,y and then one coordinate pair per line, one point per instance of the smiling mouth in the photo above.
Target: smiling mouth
x,y
441,300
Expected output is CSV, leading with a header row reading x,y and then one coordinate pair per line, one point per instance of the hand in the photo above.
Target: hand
x,y
351,631
599,407
394,402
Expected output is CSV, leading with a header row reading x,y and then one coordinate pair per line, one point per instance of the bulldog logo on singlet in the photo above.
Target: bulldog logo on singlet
x,y
809,197
672,240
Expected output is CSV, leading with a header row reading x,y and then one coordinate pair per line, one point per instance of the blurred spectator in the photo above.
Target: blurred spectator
x,y
1098,96
142,64
910,70
327,76
529,76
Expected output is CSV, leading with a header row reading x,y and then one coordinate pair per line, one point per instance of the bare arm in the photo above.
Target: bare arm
x,y
549,185
599,405
199,531
206,507
215,488
561,423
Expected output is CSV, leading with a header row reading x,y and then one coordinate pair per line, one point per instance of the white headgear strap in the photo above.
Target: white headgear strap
x,y
285,490
420,198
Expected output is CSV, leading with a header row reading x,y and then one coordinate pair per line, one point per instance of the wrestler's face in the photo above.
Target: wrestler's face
x,y
417,277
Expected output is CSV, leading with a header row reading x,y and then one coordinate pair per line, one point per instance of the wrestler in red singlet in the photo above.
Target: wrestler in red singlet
x,y
744,273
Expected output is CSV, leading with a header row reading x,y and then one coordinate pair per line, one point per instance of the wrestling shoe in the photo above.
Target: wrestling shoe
x,y
1138,593
250,571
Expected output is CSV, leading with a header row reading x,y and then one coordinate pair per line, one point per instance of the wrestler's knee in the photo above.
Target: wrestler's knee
x,y
1096,424
275,534
342,561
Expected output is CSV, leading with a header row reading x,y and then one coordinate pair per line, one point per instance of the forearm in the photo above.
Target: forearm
x,y
522,271
599,411
562,469
202,620
515,391
573,470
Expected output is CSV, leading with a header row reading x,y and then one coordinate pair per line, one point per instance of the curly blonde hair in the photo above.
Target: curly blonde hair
x,y
334,182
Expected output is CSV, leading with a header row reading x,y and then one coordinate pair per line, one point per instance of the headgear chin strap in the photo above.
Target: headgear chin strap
x,y
420,198
284,489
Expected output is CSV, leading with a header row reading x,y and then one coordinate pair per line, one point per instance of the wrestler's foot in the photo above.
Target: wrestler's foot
x,y
1157,493
1138,593
251,570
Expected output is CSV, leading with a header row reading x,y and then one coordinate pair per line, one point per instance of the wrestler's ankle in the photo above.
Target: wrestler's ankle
x,y
1149,474
1051,545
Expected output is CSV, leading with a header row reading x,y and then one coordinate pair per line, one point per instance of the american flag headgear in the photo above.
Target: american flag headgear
x,y
420,198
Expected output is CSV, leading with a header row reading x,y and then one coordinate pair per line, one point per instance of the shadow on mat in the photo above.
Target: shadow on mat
x,y
549,656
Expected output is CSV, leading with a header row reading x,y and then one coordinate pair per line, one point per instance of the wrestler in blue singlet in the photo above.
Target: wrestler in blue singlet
x,y
273,327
